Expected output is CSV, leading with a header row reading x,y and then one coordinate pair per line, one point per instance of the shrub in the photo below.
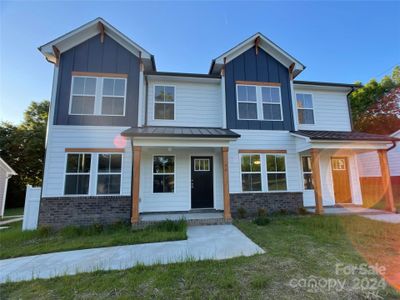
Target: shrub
x,y
261,221
71,231
45,231
283,211
261,212
242,212
302,211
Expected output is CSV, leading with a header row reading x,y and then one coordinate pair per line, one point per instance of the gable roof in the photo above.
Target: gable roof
x,y
6,167
264,43
89,30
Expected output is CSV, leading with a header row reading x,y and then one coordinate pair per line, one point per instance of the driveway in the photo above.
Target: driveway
x,y
204,242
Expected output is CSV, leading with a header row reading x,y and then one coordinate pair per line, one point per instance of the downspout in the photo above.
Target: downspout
x,y
349,108
146,100
391,147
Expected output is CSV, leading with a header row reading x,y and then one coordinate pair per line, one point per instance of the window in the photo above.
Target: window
x,y
109,174
271,103
305,108
201,164
247,102
113,96
163,174
276,172
98,96
77,174
164,98
83,95
307,172
251,172
259,103
338,164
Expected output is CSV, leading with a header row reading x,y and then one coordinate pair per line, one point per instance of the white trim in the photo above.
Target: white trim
x,y
293,98
303,172
98,96
108,173
303,108
251,172
223,98
141,99
163,102
152,174
66,173
259,103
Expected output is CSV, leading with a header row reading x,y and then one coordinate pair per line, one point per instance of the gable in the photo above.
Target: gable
x,y
260,67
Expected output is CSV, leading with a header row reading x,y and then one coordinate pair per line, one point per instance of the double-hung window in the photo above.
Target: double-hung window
x,y
276,172
307,172
77,174
109,174
163,174
91,95
247,102
259,102
164,102
305,108
251,172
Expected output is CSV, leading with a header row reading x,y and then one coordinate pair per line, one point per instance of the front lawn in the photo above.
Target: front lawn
x,y
298,251
14,242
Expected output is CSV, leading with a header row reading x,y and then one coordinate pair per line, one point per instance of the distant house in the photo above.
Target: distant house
x,y
125,140
5,173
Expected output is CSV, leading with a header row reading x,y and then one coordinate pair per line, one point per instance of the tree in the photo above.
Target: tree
x,y
375,107
23,148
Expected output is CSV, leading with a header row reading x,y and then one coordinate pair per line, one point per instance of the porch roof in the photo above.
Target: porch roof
x,y
344,136
182,132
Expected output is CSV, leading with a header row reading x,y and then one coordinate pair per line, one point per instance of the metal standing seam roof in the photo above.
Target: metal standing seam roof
x,y
167,131
344,135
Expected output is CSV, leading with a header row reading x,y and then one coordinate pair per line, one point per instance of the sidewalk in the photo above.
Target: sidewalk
x,y
204,242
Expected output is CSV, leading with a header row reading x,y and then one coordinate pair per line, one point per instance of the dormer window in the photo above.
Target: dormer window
x,y
305,108
95,95
259,102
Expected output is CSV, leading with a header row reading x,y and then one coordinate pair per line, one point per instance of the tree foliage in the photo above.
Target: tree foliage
x,y
376,106
23,148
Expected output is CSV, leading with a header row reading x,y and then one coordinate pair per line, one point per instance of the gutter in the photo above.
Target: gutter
x,y
391,147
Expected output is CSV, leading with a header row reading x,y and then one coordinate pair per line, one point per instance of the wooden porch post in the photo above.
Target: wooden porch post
x,y
137,151
387,184
225,168
315,159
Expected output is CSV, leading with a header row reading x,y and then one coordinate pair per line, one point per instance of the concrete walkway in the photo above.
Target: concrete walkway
x,y
369,213
204,242
9,221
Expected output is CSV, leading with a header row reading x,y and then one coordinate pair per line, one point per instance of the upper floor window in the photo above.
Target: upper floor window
x,y
98,96
259,102
164,102
305,108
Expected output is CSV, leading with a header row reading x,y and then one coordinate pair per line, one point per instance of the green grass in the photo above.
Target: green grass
x,y
15,242
296,247
19,211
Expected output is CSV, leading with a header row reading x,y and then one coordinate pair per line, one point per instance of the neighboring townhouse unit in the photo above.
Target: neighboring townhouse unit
x,y
125,140
370,173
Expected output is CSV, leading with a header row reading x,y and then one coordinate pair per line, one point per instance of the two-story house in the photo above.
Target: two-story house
x,y
125,140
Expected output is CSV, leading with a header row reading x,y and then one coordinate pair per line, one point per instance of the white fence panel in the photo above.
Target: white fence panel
x,y
31,210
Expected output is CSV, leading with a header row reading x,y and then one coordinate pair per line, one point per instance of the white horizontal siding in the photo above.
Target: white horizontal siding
x,y
61,137
196,104
369,165
330,110
180,200
264,140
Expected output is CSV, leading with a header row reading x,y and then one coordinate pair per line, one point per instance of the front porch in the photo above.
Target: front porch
x,y
177,171
329,159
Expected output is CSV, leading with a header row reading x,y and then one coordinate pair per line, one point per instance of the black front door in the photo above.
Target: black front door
x,y
202,182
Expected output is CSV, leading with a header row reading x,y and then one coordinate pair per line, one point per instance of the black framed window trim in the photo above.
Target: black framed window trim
x,y
307,172
109,174
77,175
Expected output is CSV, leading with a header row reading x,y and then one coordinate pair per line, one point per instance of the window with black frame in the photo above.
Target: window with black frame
x,y
163,174
77,174
109,174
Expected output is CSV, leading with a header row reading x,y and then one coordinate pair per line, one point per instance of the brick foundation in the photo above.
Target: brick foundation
x,y
271,202
82,211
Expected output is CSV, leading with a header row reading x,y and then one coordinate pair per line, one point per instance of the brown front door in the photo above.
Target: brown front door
x,y
341,182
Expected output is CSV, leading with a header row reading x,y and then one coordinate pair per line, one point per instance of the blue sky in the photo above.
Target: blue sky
x,y
337,41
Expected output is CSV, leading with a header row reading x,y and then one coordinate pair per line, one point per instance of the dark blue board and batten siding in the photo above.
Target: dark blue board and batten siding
x,y
264,68
94,56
